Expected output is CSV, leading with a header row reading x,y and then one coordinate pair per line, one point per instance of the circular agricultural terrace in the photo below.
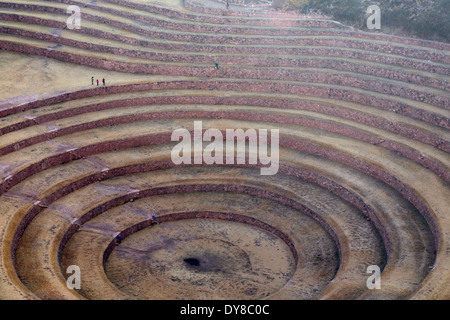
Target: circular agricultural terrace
x,y
363,175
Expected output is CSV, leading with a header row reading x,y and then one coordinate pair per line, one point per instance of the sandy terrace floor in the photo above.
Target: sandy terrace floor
x,y
26,77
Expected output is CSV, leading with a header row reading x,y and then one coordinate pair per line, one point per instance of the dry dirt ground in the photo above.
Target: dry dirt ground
x,y
26,78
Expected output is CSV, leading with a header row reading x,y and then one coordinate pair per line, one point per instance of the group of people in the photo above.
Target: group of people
x,y
103,80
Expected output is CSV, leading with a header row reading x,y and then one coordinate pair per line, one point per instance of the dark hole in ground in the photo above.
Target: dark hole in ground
x,y
192,261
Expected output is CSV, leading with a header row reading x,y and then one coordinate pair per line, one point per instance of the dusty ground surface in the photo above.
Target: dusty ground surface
x,y
27,78
220,260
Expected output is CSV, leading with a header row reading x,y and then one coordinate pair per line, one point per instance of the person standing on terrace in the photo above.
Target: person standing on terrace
x,y
154,218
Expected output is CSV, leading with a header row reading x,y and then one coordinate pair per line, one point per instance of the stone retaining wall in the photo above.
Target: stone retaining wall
x,y
413,154
369,168
391,48
252,54
277,74
230,85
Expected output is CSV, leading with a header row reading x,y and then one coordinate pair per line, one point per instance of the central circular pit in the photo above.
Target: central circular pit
x,y
203,258
192,261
